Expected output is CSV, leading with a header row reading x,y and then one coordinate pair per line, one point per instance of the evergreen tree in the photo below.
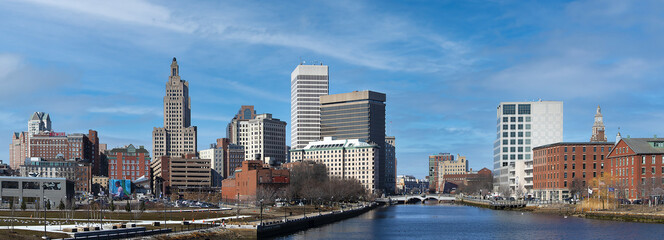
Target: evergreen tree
x,y
61,206
142,207
128,207
23,206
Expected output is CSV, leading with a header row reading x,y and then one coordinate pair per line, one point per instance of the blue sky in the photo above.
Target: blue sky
x,y
444,65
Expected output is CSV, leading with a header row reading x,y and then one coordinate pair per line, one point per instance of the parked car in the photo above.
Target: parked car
x,y
637,201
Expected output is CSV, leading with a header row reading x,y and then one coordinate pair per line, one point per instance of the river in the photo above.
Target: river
x,y
420,221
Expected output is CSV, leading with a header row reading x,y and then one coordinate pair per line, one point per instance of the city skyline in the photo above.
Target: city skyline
x,y
443,81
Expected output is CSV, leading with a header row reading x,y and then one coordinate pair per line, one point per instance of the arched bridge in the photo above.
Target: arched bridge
x,y
417,198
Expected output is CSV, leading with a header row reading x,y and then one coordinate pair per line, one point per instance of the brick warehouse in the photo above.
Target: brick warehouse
x,y
249,179
559,167
637,165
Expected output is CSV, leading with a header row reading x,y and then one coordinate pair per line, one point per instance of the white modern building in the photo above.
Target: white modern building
x,y
216,156
520,127
308,83
346,158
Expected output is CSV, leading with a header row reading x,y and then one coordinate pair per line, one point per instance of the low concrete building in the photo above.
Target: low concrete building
x,y
250,178
76,170
183,173
407,184
32,189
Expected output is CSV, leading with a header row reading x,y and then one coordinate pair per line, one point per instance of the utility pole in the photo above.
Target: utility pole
x,y
44,201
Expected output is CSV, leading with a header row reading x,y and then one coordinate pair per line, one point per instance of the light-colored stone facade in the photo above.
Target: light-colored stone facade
x,y
308,83
262,136
177,137
348,158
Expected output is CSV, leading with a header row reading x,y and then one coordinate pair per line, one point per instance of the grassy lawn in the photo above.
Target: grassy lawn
x,y
25,234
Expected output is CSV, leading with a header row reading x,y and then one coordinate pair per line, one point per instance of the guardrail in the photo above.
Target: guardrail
x,y
135,232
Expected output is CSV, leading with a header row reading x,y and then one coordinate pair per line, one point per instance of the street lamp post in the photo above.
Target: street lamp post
x,y
44,201
261,212
304,207
284,207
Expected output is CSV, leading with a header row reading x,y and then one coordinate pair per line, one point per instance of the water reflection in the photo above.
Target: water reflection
x,y
462,222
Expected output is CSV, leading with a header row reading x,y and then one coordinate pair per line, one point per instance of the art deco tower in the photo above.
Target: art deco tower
x,y
598,127
177,137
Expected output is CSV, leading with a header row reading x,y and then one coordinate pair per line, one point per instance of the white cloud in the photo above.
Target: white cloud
x,y
127,110
126,11
357,35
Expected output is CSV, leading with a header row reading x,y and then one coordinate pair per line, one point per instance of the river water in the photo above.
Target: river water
x,y
463,222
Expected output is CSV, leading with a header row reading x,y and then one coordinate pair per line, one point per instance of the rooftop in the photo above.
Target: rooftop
x,y
572,143
645,145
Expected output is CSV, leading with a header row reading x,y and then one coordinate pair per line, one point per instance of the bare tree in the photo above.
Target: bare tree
x,y
577,187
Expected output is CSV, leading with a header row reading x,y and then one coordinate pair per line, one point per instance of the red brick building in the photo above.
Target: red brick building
x,y
249,178
18,150
636,165
561,168
128,163
472,181
67,146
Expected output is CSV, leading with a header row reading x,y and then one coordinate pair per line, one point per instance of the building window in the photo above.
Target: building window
x,y
509,109
524,108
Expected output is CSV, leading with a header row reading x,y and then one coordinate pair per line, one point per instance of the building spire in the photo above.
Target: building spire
x,y
598,127
175,71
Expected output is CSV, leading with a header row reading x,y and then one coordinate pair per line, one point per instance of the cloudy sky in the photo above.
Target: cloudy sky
x,y
444,65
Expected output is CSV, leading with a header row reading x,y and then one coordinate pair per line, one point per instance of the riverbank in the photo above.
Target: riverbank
x,y
631,215
281,227
270,227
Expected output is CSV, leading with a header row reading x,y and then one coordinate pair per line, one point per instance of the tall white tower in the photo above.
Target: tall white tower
x,y
521,126
308,83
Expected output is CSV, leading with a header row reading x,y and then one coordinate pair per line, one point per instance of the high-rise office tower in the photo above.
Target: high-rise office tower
x,y
357,115
308,83
598,128
177,137
521,126
391,163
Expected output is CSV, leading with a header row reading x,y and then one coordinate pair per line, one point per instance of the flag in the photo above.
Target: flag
x,y
611,189
590,191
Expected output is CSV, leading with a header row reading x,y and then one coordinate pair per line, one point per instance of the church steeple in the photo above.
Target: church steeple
x,y
598,127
